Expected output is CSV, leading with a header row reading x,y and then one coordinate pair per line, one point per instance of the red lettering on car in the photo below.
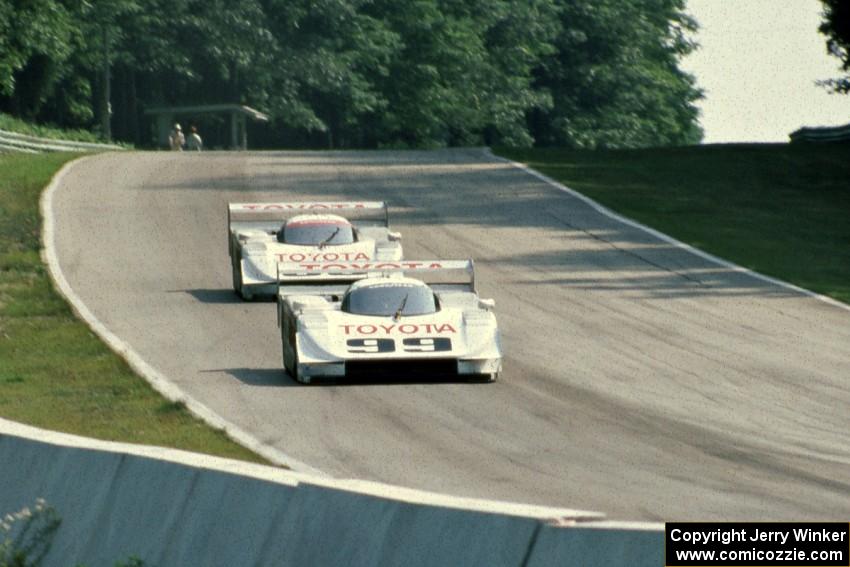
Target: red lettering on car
x,y
404,329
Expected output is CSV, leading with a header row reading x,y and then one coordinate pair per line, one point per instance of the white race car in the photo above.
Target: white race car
x,y
261,235
412,319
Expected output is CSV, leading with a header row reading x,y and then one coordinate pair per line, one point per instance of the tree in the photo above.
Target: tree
x,y
519,35
836,26
463,73
362,73
615,80
36,38
333,51
104,18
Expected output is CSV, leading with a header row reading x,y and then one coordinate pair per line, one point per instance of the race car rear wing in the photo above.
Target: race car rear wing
x,y
258,215
332,278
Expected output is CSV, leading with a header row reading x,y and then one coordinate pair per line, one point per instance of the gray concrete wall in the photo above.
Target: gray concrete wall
x,y
169,508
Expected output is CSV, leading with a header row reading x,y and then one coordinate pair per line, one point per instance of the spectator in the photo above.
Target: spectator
x,y
176,140
194,143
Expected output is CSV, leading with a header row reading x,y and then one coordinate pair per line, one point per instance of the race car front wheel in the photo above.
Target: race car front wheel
x,y
485,377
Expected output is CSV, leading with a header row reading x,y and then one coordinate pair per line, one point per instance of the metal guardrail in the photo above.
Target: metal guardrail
x,y
22,143
822,134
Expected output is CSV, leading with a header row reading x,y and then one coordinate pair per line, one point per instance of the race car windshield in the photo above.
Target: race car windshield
x,y
389,300
317,233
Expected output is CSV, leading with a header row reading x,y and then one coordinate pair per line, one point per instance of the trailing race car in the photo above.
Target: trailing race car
x,y
261,235
389,322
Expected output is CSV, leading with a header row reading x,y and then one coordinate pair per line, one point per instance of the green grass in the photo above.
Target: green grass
x,y
54,372
782,210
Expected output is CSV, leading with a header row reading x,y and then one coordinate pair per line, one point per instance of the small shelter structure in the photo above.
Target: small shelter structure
x,y
238,114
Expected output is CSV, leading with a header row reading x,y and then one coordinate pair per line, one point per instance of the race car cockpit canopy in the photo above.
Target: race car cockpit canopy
x,y
316,230
395,298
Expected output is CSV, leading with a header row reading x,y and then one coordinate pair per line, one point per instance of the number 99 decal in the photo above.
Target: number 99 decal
x,y
370,345
427,344
418,344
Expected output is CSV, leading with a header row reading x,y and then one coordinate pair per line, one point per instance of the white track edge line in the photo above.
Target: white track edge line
x,y
158,381
665,237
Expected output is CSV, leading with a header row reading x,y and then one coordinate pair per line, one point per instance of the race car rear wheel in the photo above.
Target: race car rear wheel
x,y
286,365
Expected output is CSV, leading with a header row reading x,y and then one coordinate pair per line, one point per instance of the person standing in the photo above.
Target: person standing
x,y
194,143
176,140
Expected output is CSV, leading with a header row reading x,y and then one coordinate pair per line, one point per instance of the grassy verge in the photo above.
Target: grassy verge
x,y
782,210
54,373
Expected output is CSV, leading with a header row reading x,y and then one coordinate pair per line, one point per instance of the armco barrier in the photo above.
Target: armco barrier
x,y
822,134
14,142
169,507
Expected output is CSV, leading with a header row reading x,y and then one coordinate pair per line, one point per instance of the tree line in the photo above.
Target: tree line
x,y
836,28
361,73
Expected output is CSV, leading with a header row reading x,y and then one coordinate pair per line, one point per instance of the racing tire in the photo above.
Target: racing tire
x,y
286,365
484,378
236,272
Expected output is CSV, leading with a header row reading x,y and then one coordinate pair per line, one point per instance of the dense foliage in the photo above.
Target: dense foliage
x,y
361,73
836,27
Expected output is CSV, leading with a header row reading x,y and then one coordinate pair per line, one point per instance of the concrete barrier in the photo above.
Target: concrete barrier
x,y
171,507
115,505
599,544
338,527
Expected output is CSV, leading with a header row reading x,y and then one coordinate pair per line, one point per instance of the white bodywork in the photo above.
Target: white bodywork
x,y
255,251
462,337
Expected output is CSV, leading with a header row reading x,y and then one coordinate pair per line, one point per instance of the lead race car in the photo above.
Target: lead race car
x,y
406,318
261,235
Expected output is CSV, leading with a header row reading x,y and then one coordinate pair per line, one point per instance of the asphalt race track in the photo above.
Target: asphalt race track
x,y
640,379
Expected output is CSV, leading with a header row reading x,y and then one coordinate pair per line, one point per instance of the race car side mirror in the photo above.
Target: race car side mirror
x,y
394,236
488,304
